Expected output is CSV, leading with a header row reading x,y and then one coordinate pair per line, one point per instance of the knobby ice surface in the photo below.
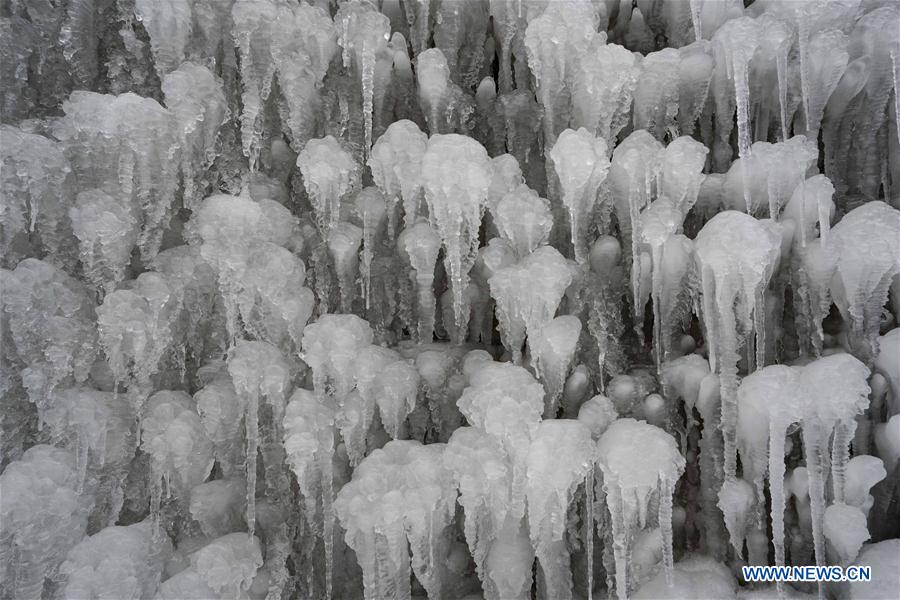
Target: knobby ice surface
x,y
456,299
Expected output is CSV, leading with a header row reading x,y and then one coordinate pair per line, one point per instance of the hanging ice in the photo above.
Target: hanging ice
x,y
581,162
736,256
553,349
398,503
396,164
639,462
456,173
528,294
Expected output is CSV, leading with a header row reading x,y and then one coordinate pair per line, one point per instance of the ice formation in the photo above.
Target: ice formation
x,y
459,299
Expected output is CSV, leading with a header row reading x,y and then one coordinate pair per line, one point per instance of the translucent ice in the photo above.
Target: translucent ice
x,y
456,173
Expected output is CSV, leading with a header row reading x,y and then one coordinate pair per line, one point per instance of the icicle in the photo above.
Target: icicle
x,y
422,245
456,173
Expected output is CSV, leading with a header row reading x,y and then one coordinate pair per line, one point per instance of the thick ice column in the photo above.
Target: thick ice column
x,y
581,162
398,503
604,82
552,351
329,174
330,345
293,42
136,327
482,472
363,33
868,257
309,426
736,256
528,294
656,96
38,187
51,326
734,45
506,402
695,71
523,219
128,147
811,206
396,164
421,244
181,455
639,462
555,41
344,242
261,374
119,562
456,173
446,106
44,516
459,33
560,459
169,26
196,98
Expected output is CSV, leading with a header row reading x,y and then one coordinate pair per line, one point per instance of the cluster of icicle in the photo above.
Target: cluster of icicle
x,y
299,301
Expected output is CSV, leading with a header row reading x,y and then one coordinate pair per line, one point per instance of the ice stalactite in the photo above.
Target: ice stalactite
x,y
605,78
734,45
292,44
107,231
550,489
447,107
868,258
421,243
137,326
688,378
357,409
523,219
736,256
221,410
219,506
639,462
418,18
632,178
37,187
363,34
482,473
398,503
260,281
329,173
370,210
51,326
126,146
528,294
196,98
552,351
459,33
262,380
309,428
44,516
506,402
396,165
521,119
119,561
226,566
656,99
824,397
456,173
168,25
555,41
582,163
330,345
681,172
670,254
181,456
811,210
344,241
